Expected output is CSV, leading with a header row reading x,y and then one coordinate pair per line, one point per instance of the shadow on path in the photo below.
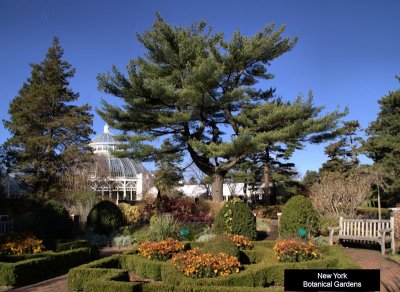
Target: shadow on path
x,y
371,259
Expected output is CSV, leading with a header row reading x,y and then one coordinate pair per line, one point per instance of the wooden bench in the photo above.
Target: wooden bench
x,y
365,230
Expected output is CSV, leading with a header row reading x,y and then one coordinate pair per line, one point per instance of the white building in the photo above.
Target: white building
x,y
119,178
230,191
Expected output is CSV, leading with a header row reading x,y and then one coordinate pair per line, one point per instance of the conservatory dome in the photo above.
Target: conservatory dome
x,y
118,177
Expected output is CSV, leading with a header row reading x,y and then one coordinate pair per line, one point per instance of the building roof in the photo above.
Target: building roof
x,y
108,165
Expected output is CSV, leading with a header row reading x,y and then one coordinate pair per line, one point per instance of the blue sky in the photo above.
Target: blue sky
x,y
347,53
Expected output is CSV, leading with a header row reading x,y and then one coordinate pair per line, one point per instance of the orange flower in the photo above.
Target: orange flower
x,y
162,250
197,265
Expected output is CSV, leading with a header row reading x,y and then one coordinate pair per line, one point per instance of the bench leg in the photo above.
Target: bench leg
x,y
383,245
331,237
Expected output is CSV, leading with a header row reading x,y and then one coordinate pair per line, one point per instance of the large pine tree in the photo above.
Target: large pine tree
x,y
383,144
49,133
199,89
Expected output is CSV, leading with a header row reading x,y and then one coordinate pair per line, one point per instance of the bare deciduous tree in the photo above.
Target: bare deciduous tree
x,y
338,195
203,179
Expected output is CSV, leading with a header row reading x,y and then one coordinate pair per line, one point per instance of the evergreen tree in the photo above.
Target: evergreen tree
x,y
383,144
284,127
310,177
343,153
6,161
168,175
48,132
196,87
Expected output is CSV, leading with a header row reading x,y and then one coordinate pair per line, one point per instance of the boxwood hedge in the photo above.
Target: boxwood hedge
x,y
23,270
111,274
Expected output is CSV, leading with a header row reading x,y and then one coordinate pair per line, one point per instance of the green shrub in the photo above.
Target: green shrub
x,y
121,241
298,213
163,227
372,213
143,267
221,244
61,246
105,218
78,276
45,219
98,240
131,213
326,222
54,221
235,217
32,270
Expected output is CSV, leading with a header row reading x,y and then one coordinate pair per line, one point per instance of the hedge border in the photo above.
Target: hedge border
x,y
35,269
265,271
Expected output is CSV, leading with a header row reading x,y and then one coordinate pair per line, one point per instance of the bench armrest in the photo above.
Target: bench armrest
x,y
331,231
334,228
386,230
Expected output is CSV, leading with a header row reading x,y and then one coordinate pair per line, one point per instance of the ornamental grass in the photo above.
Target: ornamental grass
x,y
20,243
294,251
241,241
195,264
161,251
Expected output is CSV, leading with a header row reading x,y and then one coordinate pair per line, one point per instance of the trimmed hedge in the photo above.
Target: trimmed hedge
x,y
221,244
62,246
106,267
144,267
34,269
263,272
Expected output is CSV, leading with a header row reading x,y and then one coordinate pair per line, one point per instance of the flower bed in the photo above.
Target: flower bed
x,y
20,243
242,242
294,251
162,250
194,264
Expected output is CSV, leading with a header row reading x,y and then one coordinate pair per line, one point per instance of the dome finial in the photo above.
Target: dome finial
x,y
106,128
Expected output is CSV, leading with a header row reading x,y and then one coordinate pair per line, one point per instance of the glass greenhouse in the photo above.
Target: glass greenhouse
x,y
119,178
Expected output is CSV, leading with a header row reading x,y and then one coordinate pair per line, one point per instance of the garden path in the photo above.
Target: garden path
x,y
372,259
59,284
273,233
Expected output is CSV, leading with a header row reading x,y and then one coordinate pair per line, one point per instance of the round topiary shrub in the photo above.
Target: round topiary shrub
x,y
221,244
104,218
235,217
54,221
298,213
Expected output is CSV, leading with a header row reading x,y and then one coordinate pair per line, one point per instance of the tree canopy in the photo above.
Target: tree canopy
x,y
199,90
49,133
383,144
343,154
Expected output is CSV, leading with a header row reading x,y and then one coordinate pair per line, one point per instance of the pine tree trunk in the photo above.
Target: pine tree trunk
x,y
267,180
217,185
